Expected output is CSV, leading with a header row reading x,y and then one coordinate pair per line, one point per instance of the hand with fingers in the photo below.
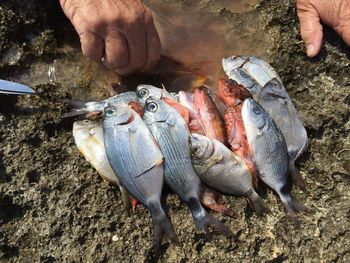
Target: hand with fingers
x,y
334,13
121,33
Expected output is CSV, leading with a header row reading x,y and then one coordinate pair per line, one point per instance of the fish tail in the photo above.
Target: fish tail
x,y
258,203
296,176
126,198
204,220
294,206
162,226
77,108
74,103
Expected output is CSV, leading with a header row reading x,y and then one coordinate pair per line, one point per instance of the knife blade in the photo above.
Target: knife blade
x,y
10,87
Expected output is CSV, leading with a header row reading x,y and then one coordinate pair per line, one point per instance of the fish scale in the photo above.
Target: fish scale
x,y
174,154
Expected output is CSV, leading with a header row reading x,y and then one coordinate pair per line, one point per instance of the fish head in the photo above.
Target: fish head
x,y
233,62
231,92
118,115
274,88
85,126
156,110
143,92
201,147
253,114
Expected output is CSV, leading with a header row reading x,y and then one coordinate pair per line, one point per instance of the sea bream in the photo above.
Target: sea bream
x,y
88,136
249,71
270,153
171,132
276,101
223,170
138,162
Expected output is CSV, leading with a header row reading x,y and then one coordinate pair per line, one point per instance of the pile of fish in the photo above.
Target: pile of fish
x,y
201,143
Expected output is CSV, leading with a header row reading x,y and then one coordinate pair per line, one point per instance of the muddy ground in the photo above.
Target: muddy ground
x,y
54,206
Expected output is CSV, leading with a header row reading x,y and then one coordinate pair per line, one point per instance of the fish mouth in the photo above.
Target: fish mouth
x,y
128,121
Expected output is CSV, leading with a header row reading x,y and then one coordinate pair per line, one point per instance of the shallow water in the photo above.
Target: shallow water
x,y
198,45
195,34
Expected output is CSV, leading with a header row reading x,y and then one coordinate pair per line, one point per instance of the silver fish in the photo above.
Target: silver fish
x,y
146,91
138,162
223,170
83,107
276,101
249,71
172,134
88,136
270,153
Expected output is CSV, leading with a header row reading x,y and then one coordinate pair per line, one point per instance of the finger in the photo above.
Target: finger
x,y
136,38
310,27
91,45
116,51
153,49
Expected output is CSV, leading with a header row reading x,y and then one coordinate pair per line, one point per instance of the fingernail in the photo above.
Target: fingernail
x,y
310,50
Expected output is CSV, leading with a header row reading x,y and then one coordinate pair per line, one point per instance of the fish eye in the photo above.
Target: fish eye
x,y
152,106
143,93
109,111
256,109
86,122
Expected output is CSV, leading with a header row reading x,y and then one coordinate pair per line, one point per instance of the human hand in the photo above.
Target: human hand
x,y
121,32
334,13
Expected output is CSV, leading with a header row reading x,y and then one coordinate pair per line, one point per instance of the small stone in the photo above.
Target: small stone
x,y
115,238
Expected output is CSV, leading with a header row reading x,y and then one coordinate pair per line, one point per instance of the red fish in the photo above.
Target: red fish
x,y
231,92
213,124
191,117
233,96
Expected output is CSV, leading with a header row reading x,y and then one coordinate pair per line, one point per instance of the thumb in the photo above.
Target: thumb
x,y
310,27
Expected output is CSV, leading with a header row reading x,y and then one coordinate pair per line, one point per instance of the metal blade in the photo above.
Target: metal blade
x,y
9,87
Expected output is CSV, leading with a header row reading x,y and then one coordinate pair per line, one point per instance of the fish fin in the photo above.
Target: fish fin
x,y
77,108
222,209
294,206
162,227
212,200
204,220
258,204
74,112
171,120
296,176
208,221
75,103
126,198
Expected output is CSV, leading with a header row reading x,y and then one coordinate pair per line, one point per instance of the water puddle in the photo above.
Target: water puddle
x,y
195,37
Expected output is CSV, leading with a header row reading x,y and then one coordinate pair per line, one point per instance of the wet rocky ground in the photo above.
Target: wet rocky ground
x,y
54,206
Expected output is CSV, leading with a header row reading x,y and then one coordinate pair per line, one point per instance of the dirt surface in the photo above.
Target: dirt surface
x,y
54,206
